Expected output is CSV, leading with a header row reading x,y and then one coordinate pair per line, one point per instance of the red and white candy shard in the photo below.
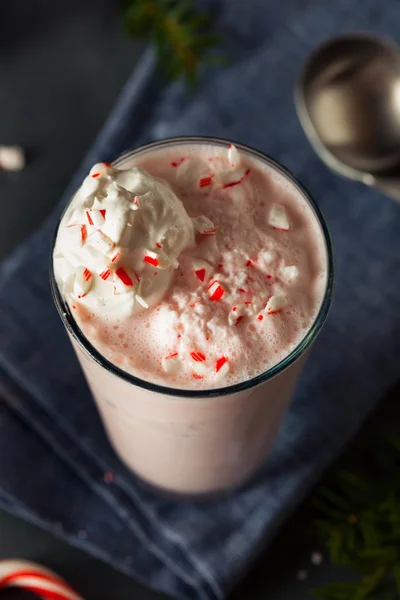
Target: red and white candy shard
x,y
290,273
204,225
34,578
198,362
141,301
215,291
159,259
278,218
99,169
124,280
191,171
74,235
233,177
83,282
152,258
202,269
233,157
105,274
206,181
239,311
222,367
95,217
171,363
100,242
275,304
115,254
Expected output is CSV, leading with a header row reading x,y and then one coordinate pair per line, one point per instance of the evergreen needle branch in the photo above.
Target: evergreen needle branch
x,y
358,520
180,33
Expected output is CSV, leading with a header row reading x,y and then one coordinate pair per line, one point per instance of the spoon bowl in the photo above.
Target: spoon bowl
x,y
348,101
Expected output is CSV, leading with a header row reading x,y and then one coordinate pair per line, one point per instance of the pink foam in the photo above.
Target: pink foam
x,y
249,261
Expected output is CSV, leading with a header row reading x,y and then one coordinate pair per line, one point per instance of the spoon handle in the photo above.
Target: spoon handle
x,y
389,186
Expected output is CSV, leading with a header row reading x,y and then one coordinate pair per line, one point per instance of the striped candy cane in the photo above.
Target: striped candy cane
x,y
36,579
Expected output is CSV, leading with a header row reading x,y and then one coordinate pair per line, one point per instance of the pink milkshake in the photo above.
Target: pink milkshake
x,y
192,276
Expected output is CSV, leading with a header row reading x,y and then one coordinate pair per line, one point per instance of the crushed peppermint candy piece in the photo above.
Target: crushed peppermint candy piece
x,y
233,177
83,282
233,156
100,242
290,274
75,235
198,360
245,309
171,363
198,356
100,169
12,158
115,255
151,258
202,269
191,171
96,218
204,225
123,279
215,290
222,367
278,218
141,301
206,181
275,304
105,274
158,259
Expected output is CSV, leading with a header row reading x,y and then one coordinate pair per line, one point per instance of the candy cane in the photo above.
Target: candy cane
x,y
35,579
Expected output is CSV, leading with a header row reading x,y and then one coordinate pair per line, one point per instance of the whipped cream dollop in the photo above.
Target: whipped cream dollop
x,y
119,241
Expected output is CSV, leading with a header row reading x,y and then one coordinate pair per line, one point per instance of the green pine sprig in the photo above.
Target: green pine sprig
x,y
180,32
358,520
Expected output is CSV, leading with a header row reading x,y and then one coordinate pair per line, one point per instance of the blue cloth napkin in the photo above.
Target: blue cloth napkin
x,y
53,450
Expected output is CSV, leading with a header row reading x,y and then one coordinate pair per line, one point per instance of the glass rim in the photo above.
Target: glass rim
x,y
76,333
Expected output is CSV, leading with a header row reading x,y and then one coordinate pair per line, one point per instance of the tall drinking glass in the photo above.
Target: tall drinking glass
x,y
196,442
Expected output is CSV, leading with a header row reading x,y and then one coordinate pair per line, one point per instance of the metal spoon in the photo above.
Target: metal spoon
x,y
348,102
